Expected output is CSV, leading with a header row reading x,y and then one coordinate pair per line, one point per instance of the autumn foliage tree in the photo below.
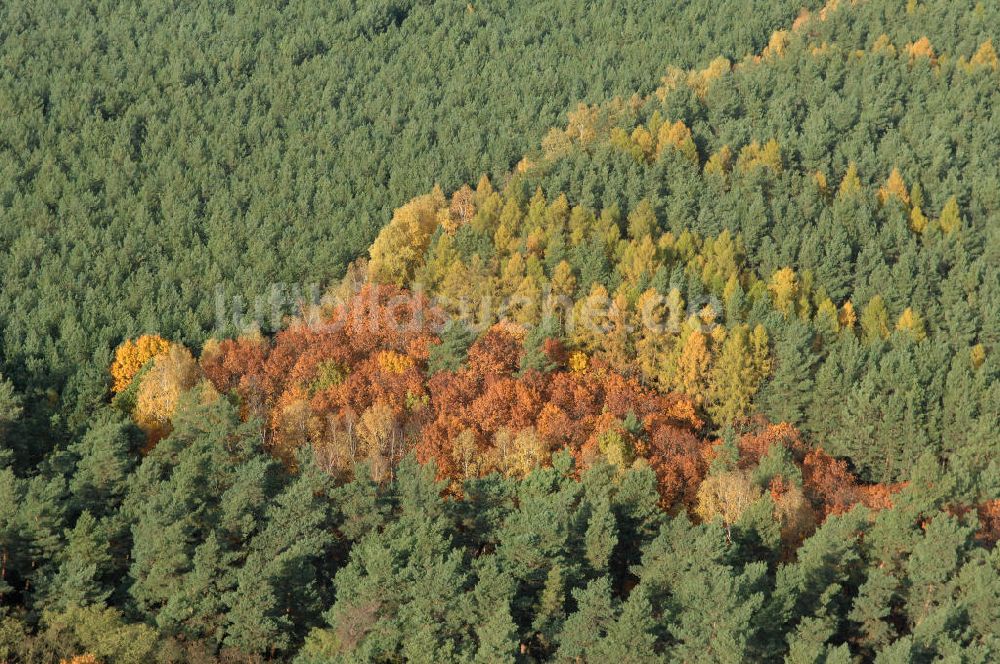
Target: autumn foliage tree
x,y
172,374
401,244
132,355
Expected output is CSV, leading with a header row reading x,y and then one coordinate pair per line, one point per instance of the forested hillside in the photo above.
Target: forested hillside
x,y
153,156
589,333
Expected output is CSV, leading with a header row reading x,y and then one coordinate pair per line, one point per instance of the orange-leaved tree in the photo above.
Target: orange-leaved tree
x,y
132,355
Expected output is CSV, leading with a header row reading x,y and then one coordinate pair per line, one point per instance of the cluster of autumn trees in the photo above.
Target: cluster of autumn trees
x,y
371,381
484,259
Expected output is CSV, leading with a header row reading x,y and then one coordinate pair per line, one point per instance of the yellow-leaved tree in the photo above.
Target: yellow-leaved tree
x,y
720,162
851,184
736,374
677,136
875,320
950,218
894,187
922,48
918,222
847,317
693,365
173,373
132,355
727,495
380,435
784,287
400,246
985,56
754,155
912,323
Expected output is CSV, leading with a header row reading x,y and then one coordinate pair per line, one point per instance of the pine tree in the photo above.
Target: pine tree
x,y
10,411
786,397
451,353
178,495
41,523
497,638
104,462
105,633
550,611
810,590
535,355
81,579
277,599
601,538
632,638
708,604
587,626
590,261
834,378
873,607
11,540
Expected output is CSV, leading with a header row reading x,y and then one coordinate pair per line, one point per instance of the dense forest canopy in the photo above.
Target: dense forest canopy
x,y
500,332
154,155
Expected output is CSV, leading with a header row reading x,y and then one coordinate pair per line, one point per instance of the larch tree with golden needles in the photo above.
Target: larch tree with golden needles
x,y
784,287
950,218
400,246
847,317
894,188
875,320
850,185
693,366
985,56
734,378
912,324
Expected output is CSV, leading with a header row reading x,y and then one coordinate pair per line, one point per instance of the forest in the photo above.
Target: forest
x,y
500,332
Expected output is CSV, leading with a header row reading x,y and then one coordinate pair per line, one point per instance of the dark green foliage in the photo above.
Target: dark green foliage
x,y
232,556
450,354
535,353
785,397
